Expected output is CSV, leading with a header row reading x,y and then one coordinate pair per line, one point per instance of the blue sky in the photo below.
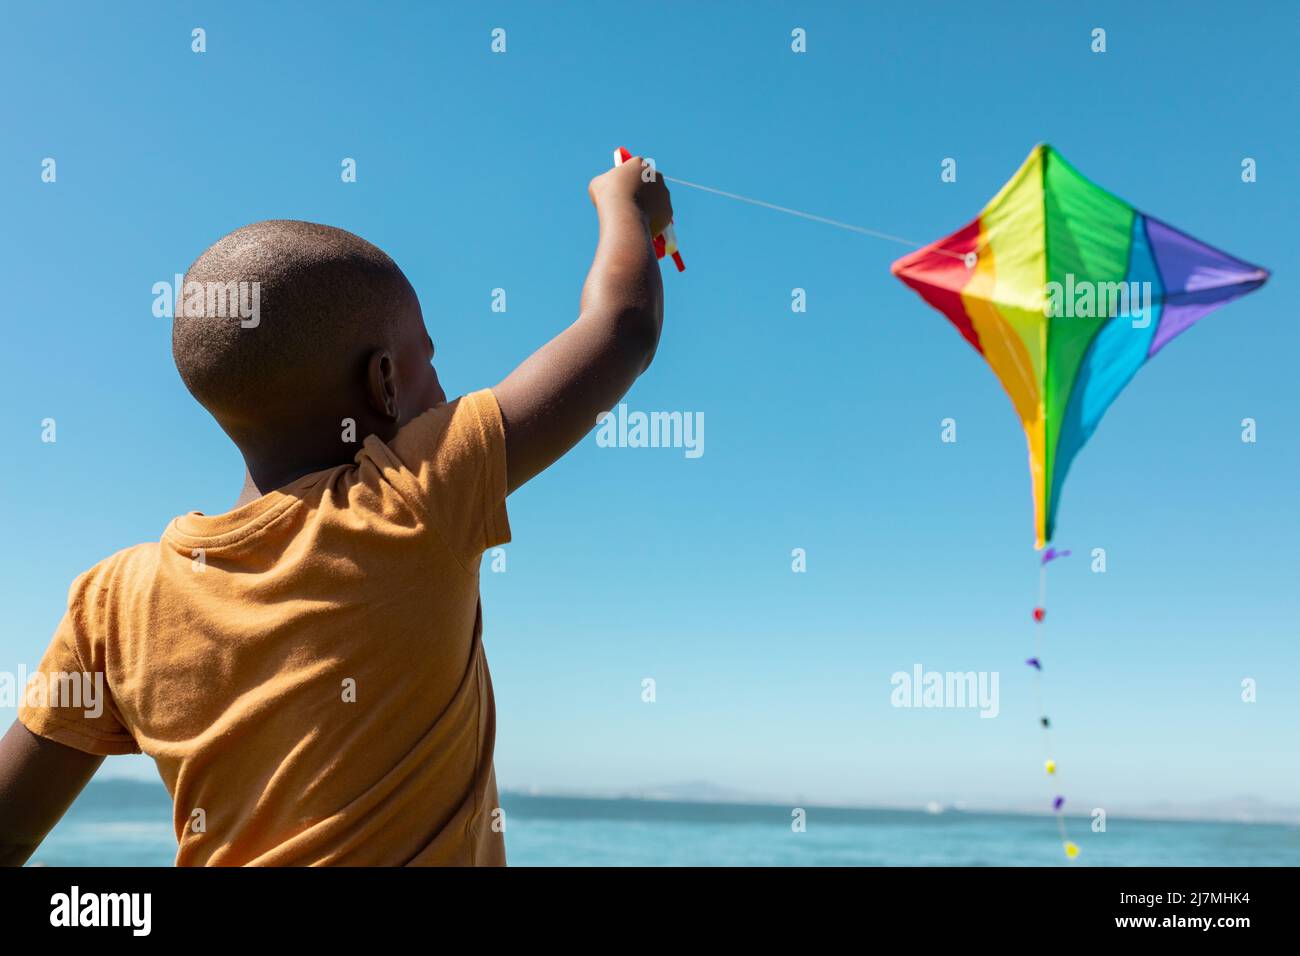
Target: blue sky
x,y
822,429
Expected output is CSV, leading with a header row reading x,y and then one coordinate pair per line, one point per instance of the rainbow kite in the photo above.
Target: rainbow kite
x,y
1066,291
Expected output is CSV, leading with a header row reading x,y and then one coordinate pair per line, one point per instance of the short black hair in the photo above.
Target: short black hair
x,y
324,298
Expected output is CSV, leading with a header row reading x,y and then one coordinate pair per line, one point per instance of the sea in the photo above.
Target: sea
x,y
128,823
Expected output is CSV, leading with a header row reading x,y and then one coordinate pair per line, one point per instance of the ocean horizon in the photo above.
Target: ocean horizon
x,y
119,822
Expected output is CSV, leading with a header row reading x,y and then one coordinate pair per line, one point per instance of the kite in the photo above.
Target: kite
x,y
1067,291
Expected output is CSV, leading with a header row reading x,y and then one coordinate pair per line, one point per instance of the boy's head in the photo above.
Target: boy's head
x,y
338,334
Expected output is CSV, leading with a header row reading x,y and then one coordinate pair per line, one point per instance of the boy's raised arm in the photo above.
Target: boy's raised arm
x,y
552,399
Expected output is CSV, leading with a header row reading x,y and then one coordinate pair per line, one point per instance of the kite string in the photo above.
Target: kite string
x,y
850,227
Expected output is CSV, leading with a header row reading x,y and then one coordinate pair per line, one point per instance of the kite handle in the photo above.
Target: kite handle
x,y
666,242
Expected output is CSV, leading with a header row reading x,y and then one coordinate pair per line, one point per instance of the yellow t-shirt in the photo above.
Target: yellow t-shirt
x,y
308,670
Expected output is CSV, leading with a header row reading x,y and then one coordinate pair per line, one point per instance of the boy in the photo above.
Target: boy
x,y
307,669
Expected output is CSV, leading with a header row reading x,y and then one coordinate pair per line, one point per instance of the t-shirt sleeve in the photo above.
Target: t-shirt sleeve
x,y
68,699
457,456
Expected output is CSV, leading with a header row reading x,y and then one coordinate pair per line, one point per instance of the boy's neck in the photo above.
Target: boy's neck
x,y
259,481
250,491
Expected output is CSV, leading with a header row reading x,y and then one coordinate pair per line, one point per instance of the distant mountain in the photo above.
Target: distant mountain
x,y
1241,809
694,791
699,791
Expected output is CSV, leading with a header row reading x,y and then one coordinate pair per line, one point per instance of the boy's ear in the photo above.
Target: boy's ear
x,y
381,384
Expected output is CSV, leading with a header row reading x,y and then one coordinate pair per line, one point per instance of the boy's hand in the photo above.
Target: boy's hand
x,y
551,400
637,182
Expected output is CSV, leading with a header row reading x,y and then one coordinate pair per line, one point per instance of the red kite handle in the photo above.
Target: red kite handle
x,y
666,242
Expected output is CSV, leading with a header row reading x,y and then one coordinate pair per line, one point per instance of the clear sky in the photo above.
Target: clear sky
x,y
822,428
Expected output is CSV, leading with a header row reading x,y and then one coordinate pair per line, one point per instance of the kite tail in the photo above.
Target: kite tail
x,y
1049,762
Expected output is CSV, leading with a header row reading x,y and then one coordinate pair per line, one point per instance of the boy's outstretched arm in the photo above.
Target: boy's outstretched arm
x,y
39,779
552,399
